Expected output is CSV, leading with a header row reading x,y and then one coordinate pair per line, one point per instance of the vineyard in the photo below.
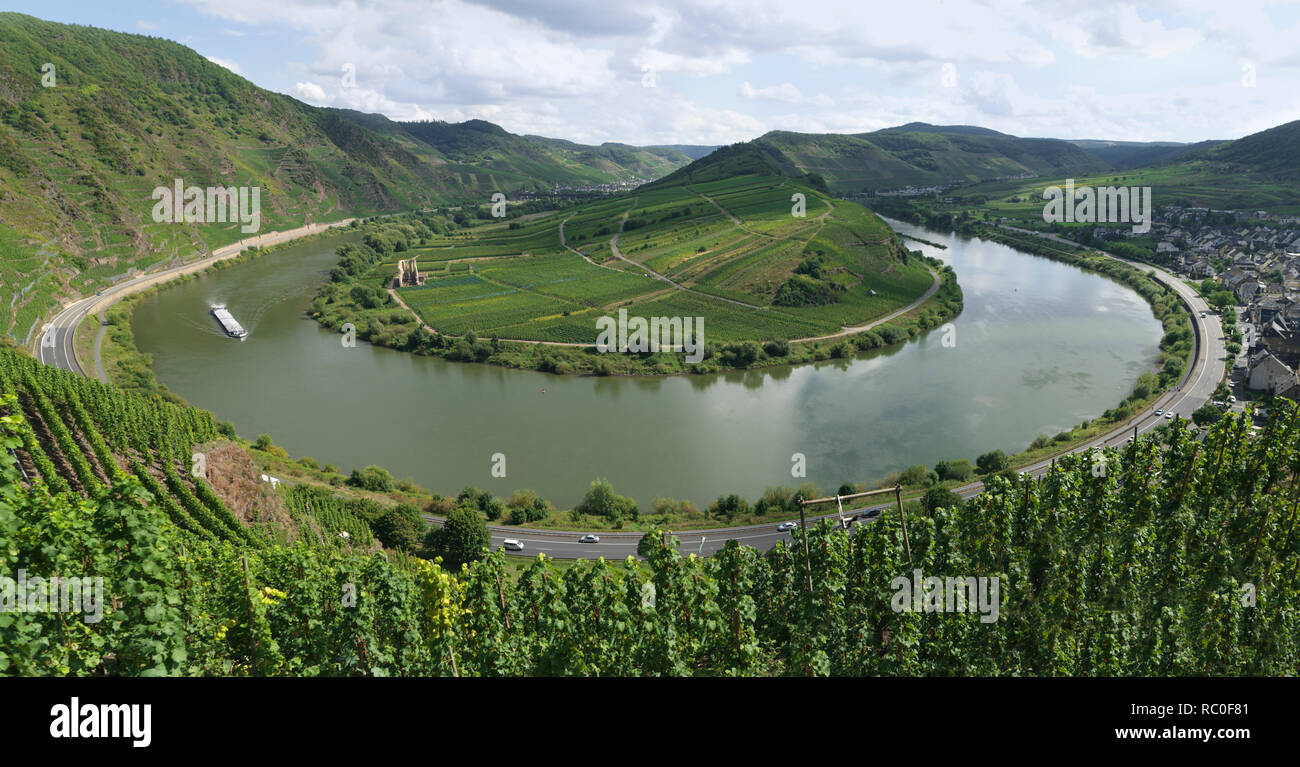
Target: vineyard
x,y
82,437
725,247
1182,557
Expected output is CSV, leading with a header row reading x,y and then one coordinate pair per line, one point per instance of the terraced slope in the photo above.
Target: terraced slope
x,y
730,251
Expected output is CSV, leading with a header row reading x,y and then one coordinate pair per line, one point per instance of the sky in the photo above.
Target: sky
x,y
721,71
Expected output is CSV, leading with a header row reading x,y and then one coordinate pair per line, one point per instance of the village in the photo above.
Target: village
x,y
1256,256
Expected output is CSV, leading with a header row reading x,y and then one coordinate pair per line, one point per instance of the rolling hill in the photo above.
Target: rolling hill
x,y
765,280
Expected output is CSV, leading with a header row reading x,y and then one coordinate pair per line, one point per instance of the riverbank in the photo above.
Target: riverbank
x,y
359,295
114,351
1029,328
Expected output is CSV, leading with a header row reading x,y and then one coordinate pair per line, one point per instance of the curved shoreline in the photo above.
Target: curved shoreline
x,y
765,534
60,348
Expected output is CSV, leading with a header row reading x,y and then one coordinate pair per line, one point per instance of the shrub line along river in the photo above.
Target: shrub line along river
x,y
1040,347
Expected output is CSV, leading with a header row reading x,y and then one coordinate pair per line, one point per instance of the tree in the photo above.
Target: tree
x,y
602,501
960,469
940,498
992,462
1206,414
527,506
373,478
913,475
463,537
263,441
397,530
728,506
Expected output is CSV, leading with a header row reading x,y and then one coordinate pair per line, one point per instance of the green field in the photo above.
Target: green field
x,y
722,250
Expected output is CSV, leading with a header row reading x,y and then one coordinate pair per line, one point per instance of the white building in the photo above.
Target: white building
x,y
1271,374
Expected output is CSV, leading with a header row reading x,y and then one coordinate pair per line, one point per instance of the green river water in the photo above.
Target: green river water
x,y
1040,347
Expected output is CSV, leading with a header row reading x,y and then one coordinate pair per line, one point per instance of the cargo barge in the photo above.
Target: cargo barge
x,y
228,323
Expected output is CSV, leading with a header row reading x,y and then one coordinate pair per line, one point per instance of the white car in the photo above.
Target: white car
x,y
786,527
1159,412
511,544
589,538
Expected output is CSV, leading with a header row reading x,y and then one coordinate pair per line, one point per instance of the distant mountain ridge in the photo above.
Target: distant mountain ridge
x,y
536,161
1122,155
916,154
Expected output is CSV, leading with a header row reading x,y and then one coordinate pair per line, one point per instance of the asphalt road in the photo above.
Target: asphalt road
x,y
55,347
1195,390
55,343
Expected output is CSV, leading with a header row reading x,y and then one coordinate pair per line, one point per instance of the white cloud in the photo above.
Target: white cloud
x,y
311,93
575,68
785,92
228,64
1121,30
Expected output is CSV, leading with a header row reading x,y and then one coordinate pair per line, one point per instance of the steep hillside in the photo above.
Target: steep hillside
x,y
92,121
1275,152
81,154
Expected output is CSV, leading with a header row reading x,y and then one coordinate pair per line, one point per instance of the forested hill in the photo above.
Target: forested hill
x,y
1181,559
92,121
915,154
1275,152
525,162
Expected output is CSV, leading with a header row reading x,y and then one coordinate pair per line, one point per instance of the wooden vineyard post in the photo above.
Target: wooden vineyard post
x,y
902,515
807,558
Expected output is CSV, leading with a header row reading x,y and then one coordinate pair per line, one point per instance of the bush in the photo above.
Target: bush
x,y
940,498
463,538
372,478
775,499
728,506
959,470
992,462
529,505
777,348
669,507
399,528
602,501
912,475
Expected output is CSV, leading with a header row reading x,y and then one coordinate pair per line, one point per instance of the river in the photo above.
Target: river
x,y
1041,346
